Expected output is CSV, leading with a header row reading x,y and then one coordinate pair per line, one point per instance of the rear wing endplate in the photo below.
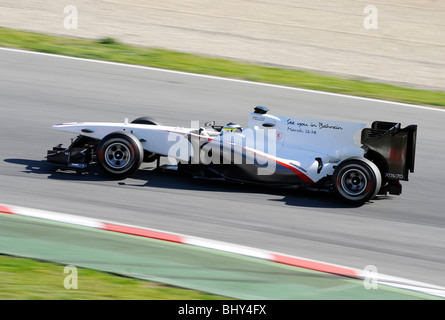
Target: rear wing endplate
x,y
395,144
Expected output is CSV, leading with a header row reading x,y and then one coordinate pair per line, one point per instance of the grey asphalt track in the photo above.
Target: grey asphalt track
x,y
401,236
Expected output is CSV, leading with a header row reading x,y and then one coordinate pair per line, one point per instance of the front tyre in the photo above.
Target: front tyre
x,y
119,154
357,180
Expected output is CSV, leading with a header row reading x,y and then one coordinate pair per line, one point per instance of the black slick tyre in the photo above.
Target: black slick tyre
x,y
357,180
146,120
119,154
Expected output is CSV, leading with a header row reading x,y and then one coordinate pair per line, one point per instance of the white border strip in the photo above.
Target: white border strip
x,y
54,216
227,247
224,79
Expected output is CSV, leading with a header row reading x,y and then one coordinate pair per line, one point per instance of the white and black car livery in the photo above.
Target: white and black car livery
x,y
348,158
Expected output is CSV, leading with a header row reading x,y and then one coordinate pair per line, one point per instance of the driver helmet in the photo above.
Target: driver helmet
x,y
232,127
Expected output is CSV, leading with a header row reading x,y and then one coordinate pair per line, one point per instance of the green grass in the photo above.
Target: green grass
x,y
26,279
109,49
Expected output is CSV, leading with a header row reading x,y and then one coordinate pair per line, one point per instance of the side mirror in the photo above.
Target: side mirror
x,y
209,124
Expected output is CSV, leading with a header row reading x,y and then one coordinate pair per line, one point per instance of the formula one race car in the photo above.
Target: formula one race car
x,y
274,150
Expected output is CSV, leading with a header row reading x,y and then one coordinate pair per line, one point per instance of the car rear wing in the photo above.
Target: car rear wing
x,y
394,146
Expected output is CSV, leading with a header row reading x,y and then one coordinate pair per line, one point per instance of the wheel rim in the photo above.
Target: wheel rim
x,y
354,182
117,155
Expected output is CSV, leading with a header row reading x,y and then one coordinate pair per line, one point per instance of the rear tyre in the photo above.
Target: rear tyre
x,y
148,156
357,180
119,154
